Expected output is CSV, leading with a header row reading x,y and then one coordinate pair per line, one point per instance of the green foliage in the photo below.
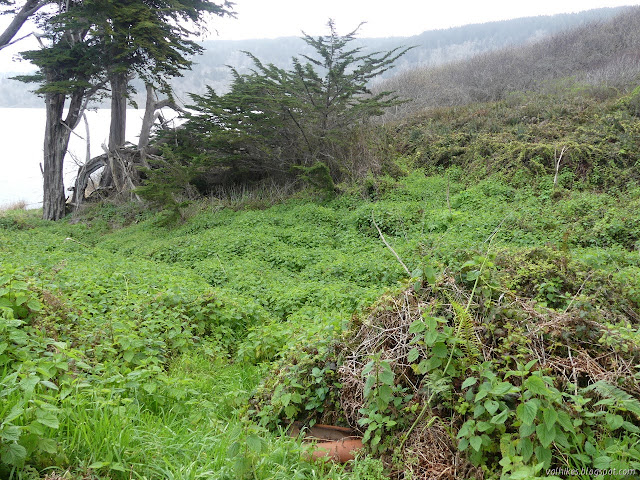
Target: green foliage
x,y
128,348
282,123
382,413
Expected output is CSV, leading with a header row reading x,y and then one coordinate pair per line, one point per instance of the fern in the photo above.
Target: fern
x,y
624,400
465,329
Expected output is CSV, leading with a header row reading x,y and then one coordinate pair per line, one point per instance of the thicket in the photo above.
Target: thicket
x,y
305,122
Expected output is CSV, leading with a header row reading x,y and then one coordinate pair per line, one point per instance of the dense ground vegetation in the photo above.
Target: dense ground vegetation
x,y
138,344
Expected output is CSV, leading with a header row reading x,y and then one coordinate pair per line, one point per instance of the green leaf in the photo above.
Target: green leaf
x,y
254,443
417,326
469,382
526,448
98,465
285,399
614,421
545,436
440,350
602,462
565,421
368,385
536,385
476,443
549,417
386,393
386,376
233,450
48,445
10,433
491,406
47,418
484,426
413,355
527,412
501,388
117,467
501,417
543,455
14,413
13,454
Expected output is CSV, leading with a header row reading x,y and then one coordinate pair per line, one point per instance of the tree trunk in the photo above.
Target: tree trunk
x,y
118,128
148,119
56,140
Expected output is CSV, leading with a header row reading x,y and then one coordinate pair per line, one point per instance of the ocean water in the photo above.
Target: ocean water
x,y
21,144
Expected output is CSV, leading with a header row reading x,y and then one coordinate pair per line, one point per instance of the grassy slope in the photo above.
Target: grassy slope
x,y
158,330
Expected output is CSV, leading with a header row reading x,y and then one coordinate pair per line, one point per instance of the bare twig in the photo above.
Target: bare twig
x,y
555,178
406,269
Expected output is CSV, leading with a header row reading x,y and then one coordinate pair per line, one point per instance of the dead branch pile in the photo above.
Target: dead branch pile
x,y
585,343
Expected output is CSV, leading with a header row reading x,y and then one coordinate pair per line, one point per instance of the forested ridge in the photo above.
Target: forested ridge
x,y
454,278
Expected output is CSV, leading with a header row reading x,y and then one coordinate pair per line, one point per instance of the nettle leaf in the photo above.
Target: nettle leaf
x,y
368,368
614,421
543,454
254,442
413,355
602,462
14,413
501,388
491,406
536,385
13,454
386,376
545,435
549,417
368,385
417,326
440,350
469,382
285,399
233,450
10,433
476,443
501,417
47,418
526,448
565,420
527,412
48,445
386,393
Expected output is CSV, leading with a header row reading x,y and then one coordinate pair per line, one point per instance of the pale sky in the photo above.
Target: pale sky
x,y
277,18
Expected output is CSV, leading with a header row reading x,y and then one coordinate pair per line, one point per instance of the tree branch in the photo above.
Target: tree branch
x,y
28,9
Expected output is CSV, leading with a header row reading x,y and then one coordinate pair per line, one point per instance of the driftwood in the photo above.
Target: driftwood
x,y
124,162
121,174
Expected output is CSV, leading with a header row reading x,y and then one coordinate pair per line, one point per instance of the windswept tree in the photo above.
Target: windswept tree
x,y
279,122
91,45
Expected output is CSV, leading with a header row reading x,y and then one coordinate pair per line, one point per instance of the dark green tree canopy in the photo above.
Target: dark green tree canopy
x,y
274,120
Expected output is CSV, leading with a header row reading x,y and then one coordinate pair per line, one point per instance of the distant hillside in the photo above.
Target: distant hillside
x,y
433,48
605,53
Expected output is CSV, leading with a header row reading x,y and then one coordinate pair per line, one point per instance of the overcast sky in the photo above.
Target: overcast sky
x,y
277,18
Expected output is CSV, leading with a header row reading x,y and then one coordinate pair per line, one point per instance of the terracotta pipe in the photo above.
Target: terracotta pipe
x,y
335,443
339,450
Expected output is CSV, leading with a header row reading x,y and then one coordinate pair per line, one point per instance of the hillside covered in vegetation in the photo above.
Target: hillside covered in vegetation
x,y
469,304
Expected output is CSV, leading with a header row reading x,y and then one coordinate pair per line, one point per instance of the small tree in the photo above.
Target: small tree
x,y
275,121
